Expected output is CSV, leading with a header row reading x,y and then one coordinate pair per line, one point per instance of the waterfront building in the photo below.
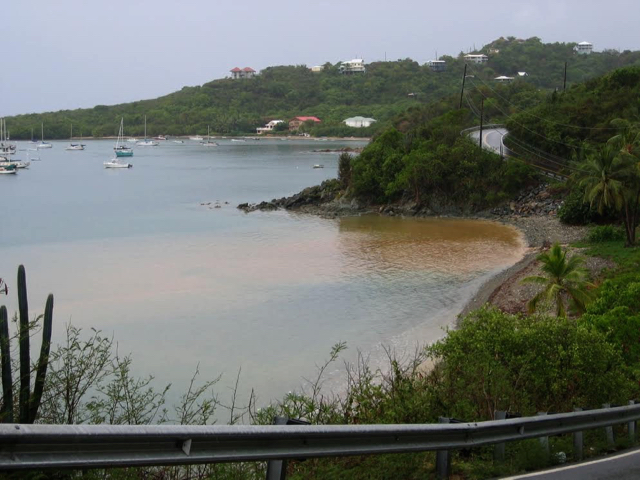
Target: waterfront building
x,y
246,72
295,123
480,58
584,48
268,128
437,65
352,66
359,122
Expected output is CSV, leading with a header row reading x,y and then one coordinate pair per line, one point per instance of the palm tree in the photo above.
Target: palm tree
x,y
563,278
610,180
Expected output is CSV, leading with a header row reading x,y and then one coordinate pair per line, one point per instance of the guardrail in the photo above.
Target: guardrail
x,y
467,131
98,446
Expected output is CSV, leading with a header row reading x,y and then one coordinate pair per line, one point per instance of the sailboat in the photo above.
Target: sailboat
x,y
42,143
208,143
74,146
6,148
146,142
121,149
32,141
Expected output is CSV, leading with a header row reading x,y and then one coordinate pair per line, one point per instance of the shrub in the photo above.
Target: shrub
x,y
574,211
606,233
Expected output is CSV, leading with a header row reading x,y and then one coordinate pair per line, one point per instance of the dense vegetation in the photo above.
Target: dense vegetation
x,y
387,88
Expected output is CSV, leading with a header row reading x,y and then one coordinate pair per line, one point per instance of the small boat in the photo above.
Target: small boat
x,y
6,148
146,142
317,165
209,143
178,141
10,170
132,140
196,138
42,143
7,162
122,150
238,140
74,146
116,163
160,137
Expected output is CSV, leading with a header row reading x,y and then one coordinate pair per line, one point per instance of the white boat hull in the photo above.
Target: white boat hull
x,y
117,164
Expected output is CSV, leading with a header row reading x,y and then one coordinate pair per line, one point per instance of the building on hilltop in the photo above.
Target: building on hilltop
x,y
584,48
317,68
480,58
503,79
359,122
246,72
352,66
296,123
437,65
268,127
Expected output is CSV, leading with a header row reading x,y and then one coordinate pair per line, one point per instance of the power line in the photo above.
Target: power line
x,y
536,116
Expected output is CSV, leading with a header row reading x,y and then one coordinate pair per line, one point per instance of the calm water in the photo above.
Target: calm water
x,y
135,254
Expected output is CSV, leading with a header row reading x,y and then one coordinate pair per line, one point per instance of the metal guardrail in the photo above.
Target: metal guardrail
x,y
97,446
467,131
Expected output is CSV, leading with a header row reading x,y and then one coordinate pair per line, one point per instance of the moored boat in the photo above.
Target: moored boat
x,y
116,163
122,150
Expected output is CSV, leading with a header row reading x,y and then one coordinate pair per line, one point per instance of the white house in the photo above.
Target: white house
x,y
268,127
584,48
246,72
317,68
437,65
480,58
352,66
523,74
503,79
359,122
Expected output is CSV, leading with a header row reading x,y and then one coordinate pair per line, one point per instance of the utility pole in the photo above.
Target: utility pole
x,y
464,77
481,118
564,88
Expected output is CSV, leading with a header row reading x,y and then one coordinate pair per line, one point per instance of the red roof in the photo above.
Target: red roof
x,y
248,69
236,70
304,119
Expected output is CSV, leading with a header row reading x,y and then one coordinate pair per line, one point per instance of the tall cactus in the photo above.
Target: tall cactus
x,y
29,403
6,414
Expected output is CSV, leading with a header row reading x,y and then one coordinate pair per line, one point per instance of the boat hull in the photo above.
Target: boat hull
x,y
124,153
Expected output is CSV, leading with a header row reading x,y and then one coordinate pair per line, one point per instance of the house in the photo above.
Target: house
x,y
294,124
246,72
584,48
359,122
523,74
268,127
494,50
352,66
503,79
481,58
317,68
437,65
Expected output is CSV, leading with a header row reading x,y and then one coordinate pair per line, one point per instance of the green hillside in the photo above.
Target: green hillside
x,y
386,89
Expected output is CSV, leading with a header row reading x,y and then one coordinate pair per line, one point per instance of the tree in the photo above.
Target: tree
x,y
563,278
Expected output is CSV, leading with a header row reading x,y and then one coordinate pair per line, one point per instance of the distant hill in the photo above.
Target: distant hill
x,y
385,90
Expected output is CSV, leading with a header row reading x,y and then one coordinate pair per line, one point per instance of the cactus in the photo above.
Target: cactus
x,y
6,414
29,403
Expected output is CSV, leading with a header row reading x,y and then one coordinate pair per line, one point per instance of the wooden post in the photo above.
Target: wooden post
x,y
498,449
544,441
277,469
443,466
577,441
631,427
609,430
464,77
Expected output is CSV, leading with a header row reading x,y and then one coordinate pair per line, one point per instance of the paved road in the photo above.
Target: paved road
x,y
491,138
624,466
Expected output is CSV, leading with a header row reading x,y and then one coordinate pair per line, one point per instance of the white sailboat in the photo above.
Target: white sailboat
x,y
42,143
208,143
146,142
6,148
74,146
121,149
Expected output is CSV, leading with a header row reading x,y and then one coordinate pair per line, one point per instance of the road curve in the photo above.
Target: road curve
x,y
491,139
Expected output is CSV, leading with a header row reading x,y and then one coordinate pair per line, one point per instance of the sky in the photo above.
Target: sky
x,y
67,54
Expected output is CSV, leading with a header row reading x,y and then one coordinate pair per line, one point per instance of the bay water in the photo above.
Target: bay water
x,y
145,256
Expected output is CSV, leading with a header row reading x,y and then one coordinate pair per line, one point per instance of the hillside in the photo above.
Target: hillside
x,y
386,89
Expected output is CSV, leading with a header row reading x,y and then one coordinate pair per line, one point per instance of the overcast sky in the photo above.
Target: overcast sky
x,y
65,54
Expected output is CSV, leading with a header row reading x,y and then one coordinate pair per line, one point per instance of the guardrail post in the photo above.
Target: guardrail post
x,y
277,469
609,430
498,450
544,441
631,427
577,441
442,457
